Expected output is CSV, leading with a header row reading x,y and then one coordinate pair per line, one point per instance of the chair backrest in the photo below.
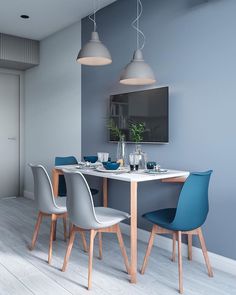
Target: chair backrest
x,y
43,192
70,160
193,204
59,161
79,202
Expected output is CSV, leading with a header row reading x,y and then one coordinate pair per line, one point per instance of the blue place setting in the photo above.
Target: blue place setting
x,y
91,159
151,165
111,165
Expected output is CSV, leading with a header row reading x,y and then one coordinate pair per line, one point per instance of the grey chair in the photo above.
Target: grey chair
x,y
85,217
48,206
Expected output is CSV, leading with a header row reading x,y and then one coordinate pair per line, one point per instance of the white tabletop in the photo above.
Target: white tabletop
x,y
139,176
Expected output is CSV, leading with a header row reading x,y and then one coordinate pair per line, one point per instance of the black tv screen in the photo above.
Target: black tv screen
x,y
149,107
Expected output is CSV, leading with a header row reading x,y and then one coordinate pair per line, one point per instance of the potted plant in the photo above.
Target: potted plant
x,y
115,131
137,129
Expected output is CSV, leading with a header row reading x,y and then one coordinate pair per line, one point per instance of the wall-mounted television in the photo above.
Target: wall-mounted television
x,y
150,107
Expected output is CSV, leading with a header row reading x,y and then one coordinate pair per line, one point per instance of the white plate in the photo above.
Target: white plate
x,y
161,171
81,163
90,165
119,170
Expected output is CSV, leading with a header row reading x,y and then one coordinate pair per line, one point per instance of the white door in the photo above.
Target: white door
x,y
9,134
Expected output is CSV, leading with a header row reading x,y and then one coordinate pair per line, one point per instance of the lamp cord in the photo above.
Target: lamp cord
x,y
92,16
135,25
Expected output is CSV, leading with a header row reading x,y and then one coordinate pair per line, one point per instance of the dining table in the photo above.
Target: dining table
x,y
134,179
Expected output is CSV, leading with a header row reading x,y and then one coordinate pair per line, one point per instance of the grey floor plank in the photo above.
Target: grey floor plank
x,y
9,284
29,273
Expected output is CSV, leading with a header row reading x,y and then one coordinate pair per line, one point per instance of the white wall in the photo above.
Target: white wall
x,y
53,102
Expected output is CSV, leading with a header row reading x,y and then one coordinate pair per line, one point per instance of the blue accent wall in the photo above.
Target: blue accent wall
x,y
191,47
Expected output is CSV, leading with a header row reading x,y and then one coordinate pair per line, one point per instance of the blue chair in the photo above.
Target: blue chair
x,y
187,218
70,160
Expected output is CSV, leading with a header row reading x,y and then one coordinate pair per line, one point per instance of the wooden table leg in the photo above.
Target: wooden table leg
x,y
55,181
133,231
105,188
55,184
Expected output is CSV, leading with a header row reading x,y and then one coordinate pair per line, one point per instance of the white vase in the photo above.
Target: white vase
x,y
121,153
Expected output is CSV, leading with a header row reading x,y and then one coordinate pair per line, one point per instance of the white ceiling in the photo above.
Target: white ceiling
x,y
46,16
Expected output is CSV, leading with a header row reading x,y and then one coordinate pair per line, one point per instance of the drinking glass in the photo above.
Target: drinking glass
x,y
103,157
134,161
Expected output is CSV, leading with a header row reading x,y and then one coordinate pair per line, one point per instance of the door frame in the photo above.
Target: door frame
x,y
21,76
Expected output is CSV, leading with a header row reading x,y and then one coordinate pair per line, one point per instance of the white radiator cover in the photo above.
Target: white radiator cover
x,y
18,53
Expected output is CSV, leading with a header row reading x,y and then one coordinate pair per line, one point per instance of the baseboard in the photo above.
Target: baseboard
x,y
217,261
28,195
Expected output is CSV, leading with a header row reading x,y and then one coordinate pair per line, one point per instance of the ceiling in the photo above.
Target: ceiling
x,y
46,16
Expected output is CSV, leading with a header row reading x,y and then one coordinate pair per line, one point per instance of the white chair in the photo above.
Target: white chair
x,y
85,217
48,206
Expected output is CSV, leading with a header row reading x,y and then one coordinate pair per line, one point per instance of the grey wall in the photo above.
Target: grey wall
x,y
53,102
191,47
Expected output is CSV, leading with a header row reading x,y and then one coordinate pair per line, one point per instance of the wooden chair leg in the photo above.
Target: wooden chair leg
x,y
70,228
204,251
100,244
36,230
68,250
55,231
180,264
52,230
122,248
65,228
190,243
90,264
148,251
174,246
84,241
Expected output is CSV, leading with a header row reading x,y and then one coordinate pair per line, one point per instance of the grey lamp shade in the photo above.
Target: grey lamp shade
x,y
94,53
137,72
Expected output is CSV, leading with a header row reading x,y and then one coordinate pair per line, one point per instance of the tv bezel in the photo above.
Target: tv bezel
x,y
146,142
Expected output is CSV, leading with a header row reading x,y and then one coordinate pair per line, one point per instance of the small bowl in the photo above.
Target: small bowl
x,y
111,165
91,159
151,165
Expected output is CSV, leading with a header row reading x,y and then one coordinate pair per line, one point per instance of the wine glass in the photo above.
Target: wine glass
x,y
134,162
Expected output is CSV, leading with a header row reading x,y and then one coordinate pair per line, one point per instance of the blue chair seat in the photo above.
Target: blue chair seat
x,y
163,217
192,208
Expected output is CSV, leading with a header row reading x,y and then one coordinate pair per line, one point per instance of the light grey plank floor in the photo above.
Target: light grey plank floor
x,y
26,272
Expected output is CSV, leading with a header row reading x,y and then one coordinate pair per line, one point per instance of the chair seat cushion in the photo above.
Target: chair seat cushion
x,y
108,216
61,203
162,217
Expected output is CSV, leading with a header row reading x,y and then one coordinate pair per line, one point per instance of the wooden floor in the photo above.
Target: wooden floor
x,y
25,272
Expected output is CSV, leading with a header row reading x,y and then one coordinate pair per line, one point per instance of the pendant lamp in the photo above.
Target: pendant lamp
x,y
94,53
137,72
